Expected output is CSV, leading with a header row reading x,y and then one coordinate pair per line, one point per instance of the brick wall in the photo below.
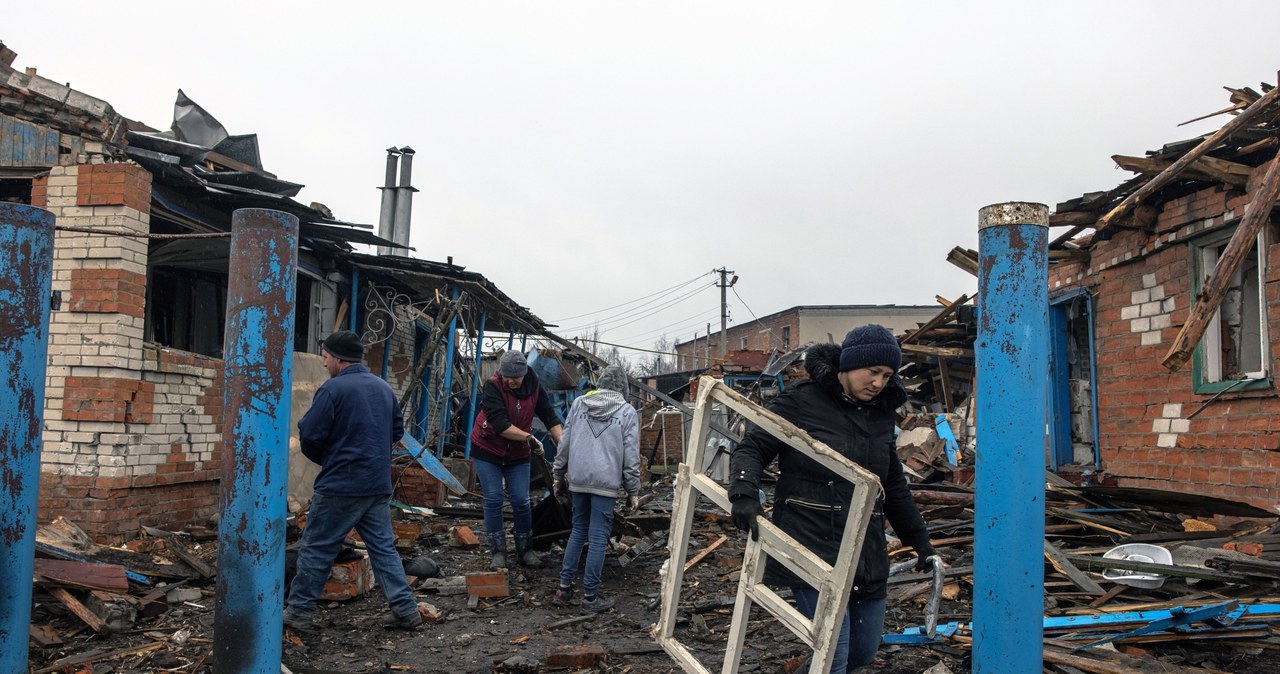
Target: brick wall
x,y
764,335
132,430
1142,296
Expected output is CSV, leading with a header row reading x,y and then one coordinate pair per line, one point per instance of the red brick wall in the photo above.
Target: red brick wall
x,y
108,291
114,185
109,399
179,484
1231,448
40,191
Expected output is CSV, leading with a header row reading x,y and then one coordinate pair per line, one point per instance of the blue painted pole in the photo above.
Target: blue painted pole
x,y
26,275
248,618
447,387
511,339
1013,370
475,380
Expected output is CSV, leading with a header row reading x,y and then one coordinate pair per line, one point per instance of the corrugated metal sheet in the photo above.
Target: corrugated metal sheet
x,y
25,144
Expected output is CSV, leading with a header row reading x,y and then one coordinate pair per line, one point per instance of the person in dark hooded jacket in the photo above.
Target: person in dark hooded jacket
x,y
848,403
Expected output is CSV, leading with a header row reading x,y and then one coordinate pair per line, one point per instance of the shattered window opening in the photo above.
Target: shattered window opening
x,y
1235,346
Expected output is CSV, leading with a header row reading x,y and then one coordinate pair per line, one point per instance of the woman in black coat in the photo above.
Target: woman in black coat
x,y
848,403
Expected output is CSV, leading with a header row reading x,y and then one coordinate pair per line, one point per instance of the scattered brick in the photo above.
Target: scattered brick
x,y
575,656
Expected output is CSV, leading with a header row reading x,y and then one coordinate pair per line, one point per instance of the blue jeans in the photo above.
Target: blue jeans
x,y
592,522
858,638
330,519
491,476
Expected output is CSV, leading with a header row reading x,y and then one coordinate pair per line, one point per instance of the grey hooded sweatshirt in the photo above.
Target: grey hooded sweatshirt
x,y
599,450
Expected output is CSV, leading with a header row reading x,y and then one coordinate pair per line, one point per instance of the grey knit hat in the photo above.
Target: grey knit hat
x,y
613,378
868,346
513,364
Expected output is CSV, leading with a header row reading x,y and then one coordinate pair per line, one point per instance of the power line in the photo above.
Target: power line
x,y
630,315
753,314
700,318
660,292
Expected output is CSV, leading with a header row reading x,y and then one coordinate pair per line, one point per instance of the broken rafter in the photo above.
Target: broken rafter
x,y
1230,173
935,321
1164,177
1256,214
964,258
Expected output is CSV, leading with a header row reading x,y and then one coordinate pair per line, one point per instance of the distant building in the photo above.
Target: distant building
x,y
805,324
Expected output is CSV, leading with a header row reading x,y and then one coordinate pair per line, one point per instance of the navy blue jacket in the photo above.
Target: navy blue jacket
x,y
349,430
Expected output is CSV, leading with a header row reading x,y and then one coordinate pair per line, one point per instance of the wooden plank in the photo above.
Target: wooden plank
x,y
705,551
100,656
44,635
935,321
1233,174
1163,569
84,575
937,351
1245,117
1256,214
89,617
1064,566
179,548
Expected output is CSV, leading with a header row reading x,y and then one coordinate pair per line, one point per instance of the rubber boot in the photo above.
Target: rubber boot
x,y
498,546
524,550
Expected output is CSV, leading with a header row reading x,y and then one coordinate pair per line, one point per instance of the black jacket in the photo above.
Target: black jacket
x,y
811,502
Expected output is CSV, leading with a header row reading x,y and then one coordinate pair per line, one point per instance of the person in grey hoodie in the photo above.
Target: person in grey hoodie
x,y
598,460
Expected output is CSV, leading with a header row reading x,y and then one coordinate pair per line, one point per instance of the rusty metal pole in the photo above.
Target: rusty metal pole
x,y
26,274
1013,378
255,464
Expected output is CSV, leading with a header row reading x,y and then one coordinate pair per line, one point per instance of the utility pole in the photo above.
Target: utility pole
x,y
725,284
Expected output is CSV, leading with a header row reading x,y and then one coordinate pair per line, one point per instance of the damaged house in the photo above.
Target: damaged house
x,y
134,393
1165,317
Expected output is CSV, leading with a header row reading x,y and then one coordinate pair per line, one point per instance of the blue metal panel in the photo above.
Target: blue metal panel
x,y
475,380
1013,366
1059,389
447,389
258,375
26,274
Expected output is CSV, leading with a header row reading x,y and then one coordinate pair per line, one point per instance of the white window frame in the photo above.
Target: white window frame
x,y
1211,370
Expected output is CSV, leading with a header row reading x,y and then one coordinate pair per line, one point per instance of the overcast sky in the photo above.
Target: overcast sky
x,y
585,154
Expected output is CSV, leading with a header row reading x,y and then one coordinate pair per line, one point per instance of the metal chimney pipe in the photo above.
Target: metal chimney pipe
x,y
1013,366
386,217
404,198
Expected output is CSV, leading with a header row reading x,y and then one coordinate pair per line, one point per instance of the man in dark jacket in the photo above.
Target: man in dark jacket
x,y
502,438
848,404
353,421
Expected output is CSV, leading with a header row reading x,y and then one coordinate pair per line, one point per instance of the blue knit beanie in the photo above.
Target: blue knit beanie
x,y
867,346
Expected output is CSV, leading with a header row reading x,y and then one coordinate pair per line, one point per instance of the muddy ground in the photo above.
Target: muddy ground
x,y
510,634
515,634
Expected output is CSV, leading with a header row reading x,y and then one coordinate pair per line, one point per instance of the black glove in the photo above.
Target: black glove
x,y
745,510
925,563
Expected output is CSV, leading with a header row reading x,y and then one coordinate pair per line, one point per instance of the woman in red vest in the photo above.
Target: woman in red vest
x,y
510,400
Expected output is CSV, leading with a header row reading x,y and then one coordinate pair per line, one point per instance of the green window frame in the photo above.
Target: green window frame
x,y
1235,352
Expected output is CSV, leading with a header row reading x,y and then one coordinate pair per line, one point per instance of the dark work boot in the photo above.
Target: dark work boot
x,y
524,550
498,546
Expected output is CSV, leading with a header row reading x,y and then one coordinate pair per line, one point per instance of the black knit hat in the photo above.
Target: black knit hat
x,y
868,346
344,345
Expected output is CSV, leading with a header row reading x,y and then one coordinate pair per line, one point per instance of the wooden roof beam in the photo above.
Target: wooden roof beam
x,y
1239,121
